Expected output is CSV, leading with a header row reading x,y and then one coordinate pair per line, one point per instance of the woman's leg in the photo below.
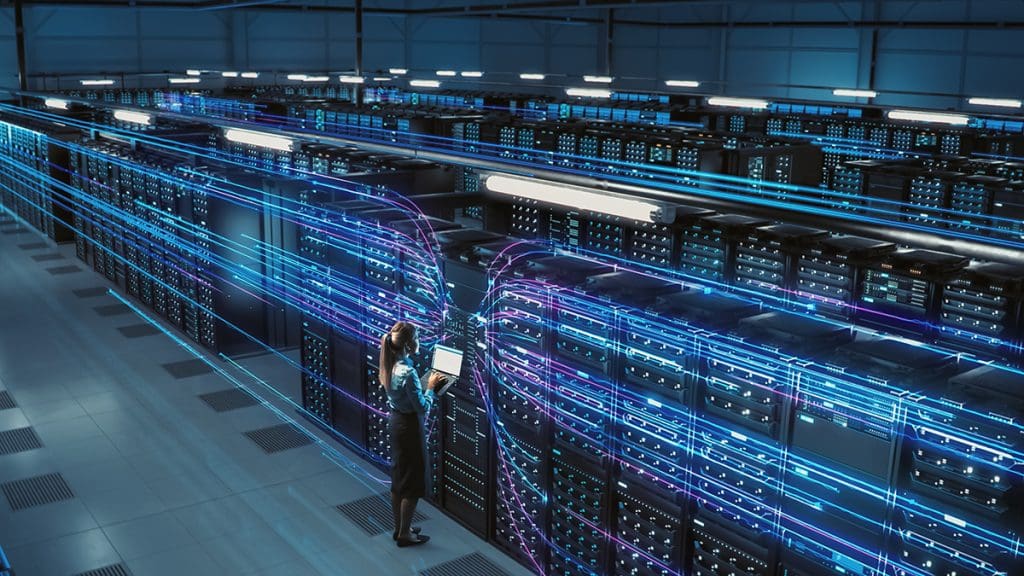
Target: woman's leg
x,y
408,511
396,511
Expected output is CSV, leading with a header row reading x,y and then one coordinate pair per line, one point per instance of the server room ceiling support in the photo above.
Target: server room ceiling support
x,y
542,12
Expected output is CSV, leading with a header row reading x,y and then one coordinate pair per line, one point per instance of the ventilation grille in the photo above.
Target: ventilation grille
x,y
112,309
36,491
279,438
138,330
475,564
6,400
18,440
63,270
373,514
112,570
90,292
33,246
187,368
47,257
226,400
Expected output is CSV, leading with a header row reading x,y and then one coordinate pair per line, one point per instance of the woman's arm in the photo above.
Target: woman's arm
x,y
414,390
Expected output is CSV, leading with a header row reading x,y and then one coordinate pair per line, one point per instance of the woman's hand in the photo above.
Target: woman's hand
x,y
435,381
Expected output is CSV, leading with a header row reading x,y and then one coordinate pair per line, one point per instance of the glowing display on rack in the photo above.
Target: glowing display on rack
x,y
531,76
682,83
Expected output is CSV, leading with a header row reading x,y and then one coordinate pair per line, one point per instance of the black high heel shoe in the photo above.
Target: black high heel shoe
x,y
414,530
416,541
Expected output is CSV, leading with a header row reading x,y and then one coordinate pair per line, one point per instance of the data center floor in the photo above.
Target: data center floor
x,y
159,481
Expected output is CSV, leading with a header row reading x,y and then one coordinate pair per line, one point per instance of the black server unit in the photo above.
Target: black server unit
x,y
793,164
971,201
766,257
846,435
981,309
959,460
708,245
829,275
239,310
744,391
888,189
902,293
521,375
850,181
929,198
462,455
653,436
658,244
1008,211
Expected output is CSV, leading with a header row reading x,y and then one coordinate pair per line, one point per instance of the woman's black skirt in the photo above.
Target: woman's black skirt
x,y
408,468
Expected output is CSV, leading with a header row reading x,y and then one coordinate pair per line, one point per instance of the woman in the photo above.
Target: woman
x,y
408,403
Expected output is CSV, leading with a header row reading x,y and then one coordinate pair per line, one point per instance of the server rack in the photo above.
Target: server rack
x,y
904,291
708,245
981,309
829,272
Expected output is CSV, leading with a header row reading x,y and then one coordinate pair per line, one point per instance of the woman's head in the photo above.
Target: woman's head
x,y
401,340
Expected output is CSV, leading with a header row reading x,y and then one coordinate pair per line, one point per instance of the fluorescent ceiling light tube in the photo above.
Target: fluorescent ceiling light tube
x,y
738,102
446,72
398,71
297,76
589,92
250,74
682,83
935,117
425,83
259,139
575,198
531,76
192,72
229,74
184,80
382,78
133,117
56,103
471,74
1000,102
598,79
96,82
854,93
316,78
351,79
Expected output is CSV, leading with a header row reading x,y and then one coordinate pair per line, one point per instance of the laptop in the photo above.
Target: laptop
x,y
447,361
